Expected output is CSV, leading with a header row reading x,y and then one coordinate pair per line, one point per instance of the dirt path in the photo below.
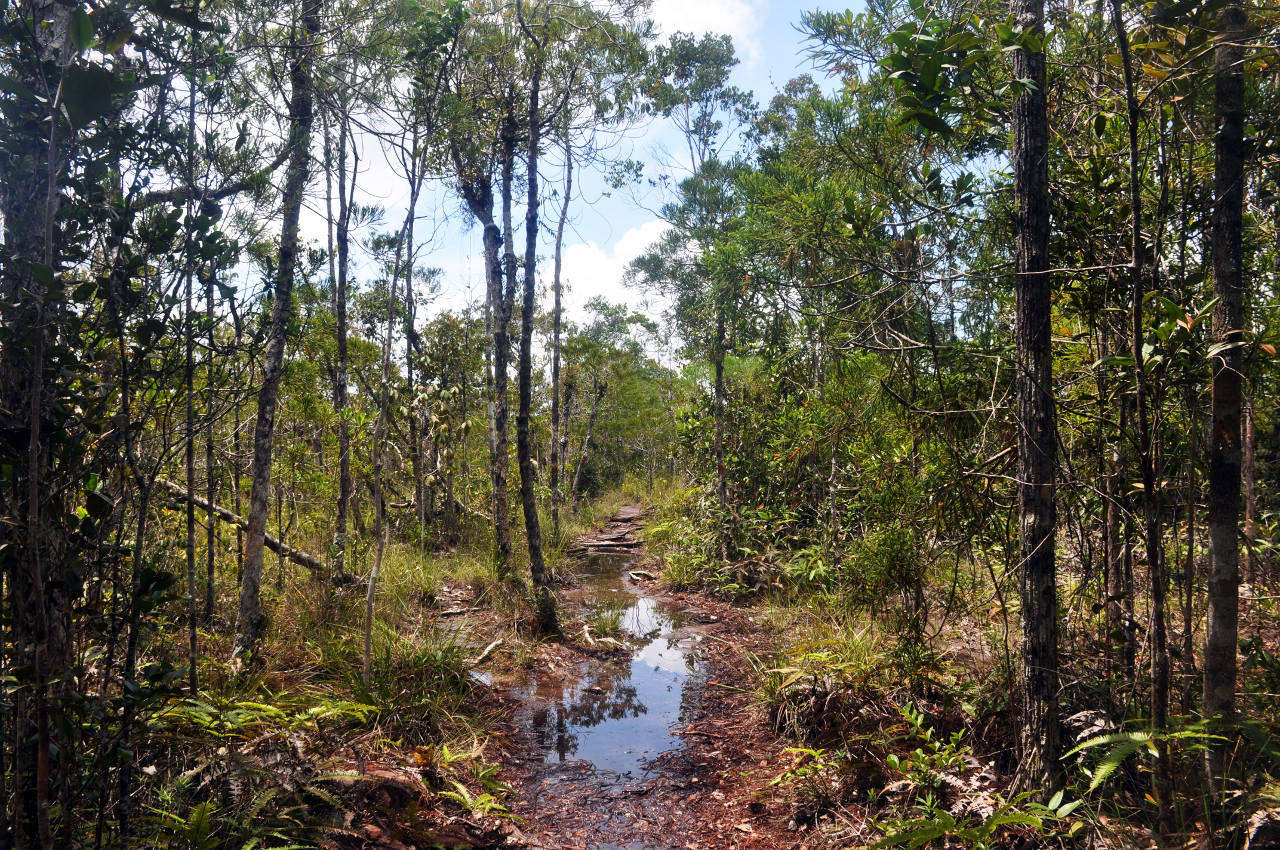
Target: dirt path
x,y
642,739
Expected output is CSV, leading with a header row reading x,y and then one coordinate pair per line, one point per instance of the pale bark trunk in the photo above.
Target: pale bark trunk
x,y
340,402
556,451
250,620
379,501
544,594
478,195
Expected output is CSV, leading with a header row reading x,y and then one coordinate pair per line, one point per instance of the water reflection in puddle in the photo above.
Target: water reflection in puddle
x,y
617,713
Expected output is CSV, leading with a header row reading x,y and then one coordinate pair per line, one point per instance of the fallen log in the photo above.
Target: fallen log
x,y
305,559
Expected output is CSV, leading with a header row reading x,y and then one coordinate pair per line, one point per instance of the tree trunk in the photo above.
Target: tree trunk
x,y
189,379
1037,440
1161,780
379,502
1221,632
564,437
35,545
717,405
250,621
544,594
340,403
601,387
210,479
502,353
1249,477
478,194
556,451
1189,559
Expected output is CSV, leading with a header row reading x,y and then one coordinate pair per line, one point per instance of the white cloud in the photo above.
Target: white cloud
x,y
591,270
741,19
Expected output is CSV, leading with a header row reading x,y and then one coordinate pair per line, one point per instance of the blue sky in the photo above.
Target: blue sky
x,y
604,232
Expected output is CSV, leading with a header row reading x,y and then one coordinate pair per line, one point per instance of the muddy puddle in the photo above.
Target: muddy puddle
x,y
617,712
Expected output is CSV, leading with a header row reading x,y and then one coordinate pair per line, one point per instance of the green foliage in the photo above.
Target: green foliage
x,y
1193,737
936,824
933,757
222,718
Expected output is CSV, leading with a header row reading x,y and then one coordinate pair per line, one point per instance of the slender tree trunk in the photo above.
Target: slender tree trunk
x,y
189,379
379,501
1107,473
1228,329
564,437
210,479
717,404
601,388
544,594
556,452
1189,559
478,195
250,622
422,504
1249,476
237,466
1037,426
42,581
340,401
502,297
1161,779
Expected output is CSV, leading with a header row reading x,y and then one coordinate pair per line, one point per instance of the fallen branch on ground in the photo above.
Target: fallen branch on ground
x,y
488,650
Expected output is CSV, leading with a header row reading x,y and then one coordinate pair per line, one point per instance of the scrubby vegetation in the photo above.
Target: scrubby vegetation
x,y
955,424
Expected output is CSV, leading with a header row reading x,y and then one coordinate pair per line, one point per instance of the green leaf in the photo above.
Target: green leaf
x,y
87,93
928,120
81,30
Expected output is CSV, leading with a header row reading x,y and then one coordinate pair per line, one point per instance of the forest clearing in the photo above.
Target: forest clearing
x,y
639,424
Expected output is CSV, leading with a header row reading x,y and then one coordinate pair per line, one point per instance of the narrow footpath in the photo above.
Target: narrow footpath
x,y
638,734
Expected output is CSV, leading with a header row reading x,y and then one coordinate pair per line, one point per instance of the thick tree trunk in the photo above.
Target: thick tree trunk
x,y
1037,439
544,594
1221,632
250,620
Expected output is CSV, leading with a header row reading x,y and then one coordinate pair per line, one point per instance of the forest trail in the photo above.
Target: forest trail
x,y
640,739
